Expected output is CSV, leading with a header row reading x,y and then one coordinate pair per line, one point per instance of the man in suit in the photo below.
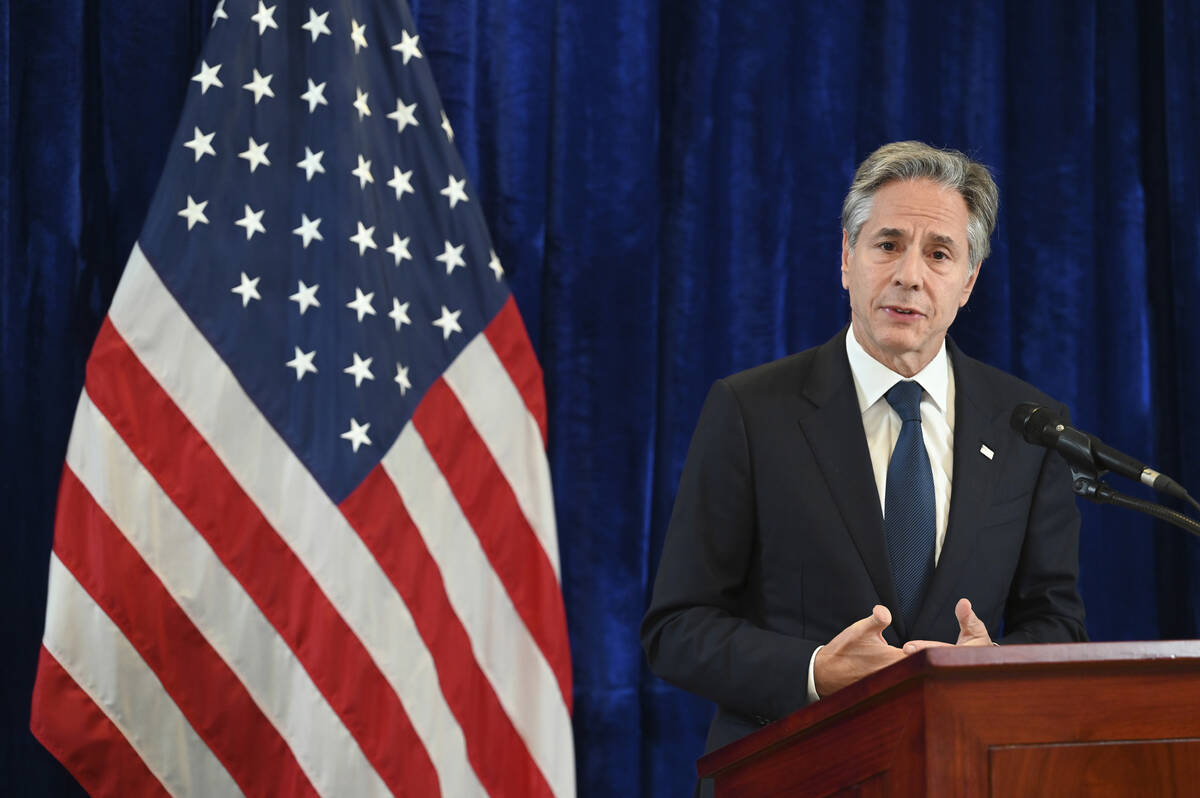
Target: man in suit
x,y
846,506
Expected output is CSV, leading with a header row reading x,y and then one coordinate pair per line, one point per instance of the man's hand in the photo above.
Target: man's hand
x,y
971,631
858,650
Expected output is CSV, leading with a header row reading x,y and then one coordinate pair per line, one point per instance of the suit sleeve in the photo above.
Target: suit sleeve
x,y
698,633
1043,604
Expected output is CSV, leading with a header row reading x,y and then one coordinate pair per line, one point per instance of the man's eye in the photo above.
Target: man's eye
x,y
939,254
887,246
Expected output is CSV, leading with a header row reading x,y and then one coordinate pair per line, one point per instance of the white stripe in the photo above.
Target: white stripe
x,y
505,650
216,603
511,433
94,652
289,497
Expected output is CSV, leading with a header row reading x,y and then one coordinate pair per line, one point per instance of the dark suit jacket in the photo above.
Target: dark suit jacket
x,y
776,541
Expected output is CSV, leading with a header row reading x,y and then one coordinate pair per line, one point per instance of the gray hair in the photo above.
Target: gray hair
x,y
911,160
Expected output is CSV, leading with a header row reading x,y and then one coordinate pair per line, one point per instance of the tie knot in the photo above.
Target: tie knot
x,y
905,399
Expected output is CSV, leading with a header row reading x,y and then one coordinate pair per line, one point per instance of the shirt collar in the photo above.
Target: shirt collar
x,y
872,379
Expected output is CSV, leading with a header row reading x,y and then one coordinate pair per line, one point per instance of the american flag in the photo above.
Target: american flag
x,y
305,540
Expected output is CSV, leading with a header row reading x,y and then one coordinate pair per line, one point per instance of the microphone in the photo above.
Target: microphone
x,y
1042,427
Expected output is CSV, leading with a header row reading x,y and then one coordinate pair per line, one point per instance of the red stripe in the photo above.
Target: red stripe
x,y
81,736
120,582
506,333
197,483
490,506
495,748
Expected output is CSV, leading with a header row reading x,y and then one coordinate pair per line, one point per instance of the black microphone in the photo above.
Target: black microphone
x,y
1042,427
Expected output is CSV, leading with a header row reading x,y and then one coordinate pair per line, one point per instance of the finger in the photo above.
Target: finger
x,y
882,616
968,622
913,646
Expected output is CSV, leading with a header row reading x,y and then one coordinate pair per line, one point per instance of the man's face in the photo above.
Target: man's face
x,y
907,275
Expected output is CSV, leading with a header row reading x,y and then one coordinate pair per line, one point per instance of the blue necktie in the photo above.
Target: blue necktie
x,y
909,506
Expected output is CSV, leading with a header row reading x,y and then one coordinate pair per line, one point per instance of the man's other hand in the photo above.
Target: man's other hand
x,y
971,631
858,650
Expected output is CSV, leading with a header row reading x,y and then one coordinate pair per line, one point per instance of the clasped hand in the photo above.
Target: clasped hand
x,y
859,650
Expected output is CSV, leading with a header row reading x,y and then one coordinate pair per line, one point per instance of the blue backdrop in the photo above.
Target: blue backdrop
x,y
663,183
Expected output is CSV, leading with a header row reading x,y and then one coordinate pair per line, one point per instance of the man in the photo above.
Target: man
x,y
846,506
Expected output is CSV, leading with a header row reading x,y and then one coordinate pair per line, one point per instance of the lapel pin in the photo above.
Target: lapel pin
x,y
986,451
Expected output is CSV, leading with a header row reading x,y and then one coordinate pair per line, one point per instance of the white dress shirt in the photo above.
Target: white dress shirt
x,y
882,424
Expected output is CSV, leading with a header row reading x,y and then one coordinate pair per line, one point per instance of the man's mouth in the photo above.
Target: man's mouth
x,y
902,311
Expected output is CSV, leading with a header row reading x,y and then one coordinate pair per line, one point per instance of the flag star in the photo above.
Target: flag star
x,y
260,85
408,46
219,13
454,190
401,379
201,143
399,313
302,363
316,23
306,297
399,248
364,239
248,289
207,76
360,103
256,154
357,35
252,221
194,212
452,256
404,115
311,163
361,304
400,182
265,18
360,369
448,322
315,95
308,231
494,265
363,172
357,434
446,126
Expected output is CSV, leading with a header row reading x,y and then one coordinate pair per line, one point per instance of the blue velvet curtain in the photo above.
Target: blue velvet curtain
x,y
663,183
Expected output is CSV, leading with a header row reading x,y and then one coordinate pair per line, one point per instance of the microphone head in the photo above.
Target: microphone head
x,y
1036,423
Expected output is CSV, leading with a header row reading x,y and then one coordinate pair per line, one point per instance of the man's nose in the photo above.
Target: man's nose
x,y
910,269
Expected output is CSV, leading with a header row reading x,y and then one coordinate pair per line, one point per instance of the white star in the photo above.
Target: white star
x,y
454,190
356,35
260,85
248,289
364,238
494,265
408,46
400,182
194,212
306,297
252,221
401,379
219,13
308,231
311,163
362,304
399,248
265,18
448,322
404,115
399,314
452,256
446,126
315,95
357,434
207,76
360,103
201,143
316,23
360,369
302,363
256,154
363,172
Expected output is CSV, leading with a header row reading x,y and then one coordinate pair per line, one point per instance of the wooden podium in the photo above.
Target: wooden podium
x,y
1086,719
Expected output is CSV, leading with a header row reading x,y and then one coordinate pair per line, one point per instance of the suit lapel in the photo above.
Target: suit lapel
x,y
833,427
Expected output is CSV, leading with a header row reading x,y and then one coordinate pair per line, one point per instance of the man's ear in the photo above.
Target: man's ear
x,y
846,261
969,286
